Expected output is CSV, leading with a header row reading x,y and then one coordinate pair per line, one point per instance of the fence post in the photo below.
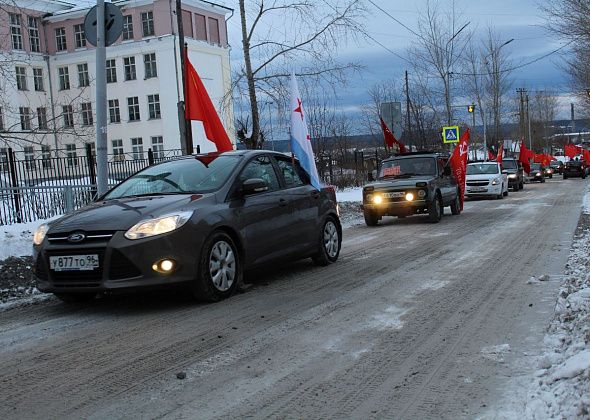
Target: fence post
x,y
150,156
69,198
91,169
14,181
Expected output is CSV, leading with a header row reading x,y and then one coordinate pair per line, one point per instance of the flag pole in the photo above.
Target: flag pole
x,y
185,125
188,123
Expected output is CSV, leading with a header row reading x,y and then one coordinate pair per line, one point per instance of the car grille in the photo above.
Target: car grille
x,y
92,236
121,267
91,278
477,183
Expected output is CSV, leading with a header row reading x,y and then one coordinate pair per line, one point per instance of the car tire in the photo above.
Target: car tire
x,y
371,219
564,176
75,297
542,180
220,269
329,243
521,186
435,211
456,205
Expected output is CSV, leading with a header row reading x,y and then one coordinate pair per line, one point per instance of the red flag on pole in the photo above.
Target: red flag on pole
x,y
390,138
570,151
500,154
523,157
458,162
491,155
198,106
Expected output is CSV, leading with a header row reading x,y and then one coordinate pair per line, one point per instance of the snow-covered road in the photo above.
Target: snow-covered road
x,y
416,320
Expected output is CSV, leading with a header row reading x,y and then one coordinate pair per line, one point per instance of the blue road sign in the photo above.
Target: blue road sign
x,y
451,134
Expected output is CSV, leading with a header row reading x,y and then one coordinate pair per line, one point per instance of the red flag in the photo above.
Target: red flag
x,y
491,155
458,162
586,155
390,138
537,158
523,157
198,106
570,151
500,154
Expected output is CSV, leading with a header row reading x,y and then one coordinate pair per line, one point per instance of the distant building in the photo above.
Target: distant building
x,y
47,93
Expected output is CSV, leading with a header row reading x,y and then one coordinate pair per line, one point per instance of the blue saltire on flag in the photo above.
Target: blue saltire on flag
x,y
300,139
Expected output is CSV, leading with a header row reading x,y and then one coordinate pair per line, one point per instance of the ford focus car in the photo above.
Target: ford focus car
x,y
486,179
198,221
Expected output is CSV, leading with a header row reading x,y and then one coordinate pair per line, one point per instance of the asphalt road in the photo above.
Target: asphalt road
x,y
416,320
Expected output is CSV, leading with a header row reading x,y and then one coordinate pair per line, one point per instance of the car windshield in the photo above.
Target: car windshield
x,y
482,168
554,163
184,176
535,166
406,167
509,164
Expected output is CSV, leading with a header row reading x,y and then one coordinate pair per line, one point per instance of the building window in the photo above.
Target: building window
x,y
127,27
29,157
42,118
45,156
1,119
150,65
79,36
15,31
4,159
72,155
38,79
118,152
129,65
87,113
158,147
154,106
64,78
83,78
68,114
34,34
114,112
111,71
21,78
137,148
60,39
25,117
214,30
201,27
92,146
147,24
133,106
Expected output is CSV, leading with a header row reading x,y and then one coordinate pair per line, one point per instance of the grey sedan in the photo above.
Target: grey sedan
x,y
199,221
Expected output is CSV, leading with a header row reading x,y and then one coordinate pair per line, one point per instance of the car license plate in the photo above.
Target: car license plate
x,y
74,262
394,194
477,189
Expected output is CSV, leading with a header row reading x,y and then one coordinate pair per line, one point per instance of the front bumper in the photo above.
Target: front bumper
x,y
539,178
396,208
123,264
483,191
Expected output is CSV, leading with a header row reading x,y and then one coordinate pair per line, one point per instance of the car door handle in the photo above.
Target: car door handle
x,y
282,202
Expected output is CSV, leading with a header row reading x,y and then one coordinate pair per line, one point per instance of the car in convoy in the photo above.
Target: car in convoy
x,y
537,173
557,166
575,167
198,221
515,173
411,183
486,179
548,172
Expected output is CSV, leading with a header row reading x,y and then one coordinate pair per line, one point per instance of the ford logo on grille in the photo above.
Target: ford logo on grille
x,y
76,237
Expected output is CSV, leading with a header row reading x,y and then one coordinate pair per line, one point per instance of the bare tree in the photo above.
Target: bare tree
x,y
277,33
543,110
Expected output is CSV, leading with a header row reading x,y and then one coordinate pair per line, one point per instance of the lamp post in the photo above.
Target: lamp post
x,y
447,76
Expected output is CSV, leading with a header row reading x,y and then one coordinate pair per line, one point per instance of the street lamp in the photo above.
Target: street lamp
x,y
447,75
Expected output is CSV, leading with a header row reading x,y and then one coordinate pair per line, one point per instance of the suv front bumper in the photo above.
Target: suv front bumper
x,y
395,208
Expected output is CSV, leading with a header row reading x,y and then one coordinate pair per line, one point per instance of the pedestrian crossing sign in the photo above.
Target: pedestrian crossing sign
x,y
451,134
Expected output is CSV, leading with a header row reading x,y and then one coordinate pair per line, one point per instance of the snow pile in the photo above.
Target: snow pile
x,y
17,240
563,387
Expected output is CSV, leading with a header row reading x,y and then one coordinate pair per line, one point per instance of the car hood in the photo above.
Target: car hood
x,y
121,214
481,177
400,183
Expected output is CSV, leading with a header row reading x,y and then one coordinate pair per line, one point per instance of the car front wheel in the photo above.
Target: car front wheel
x,y
329,243
220,269
435,210
456,205
371,219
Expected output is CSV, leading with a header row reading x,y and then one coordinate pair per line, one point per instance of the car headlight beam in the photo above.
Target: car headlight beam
x,y
409,196
40,233
158,226
377,199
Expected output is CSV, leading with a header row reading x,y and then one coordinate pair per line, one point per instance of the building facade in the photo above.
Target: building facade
x,y
47,67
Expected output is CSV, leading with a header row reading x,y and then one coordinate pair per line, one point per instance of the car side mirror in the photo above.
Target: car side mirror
x,y
447,171
253,186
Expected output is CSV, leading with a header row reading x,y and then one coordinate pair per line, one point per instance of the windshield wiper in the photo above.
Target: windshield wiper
x,y
155,194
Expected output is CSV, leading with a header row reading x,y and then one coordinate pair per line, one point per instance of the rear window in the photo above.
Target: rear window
x,y
509,164
482,168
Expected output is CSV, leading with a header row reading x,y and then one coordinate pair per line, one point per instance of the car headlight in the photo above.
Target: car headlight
x,y
40,233
158,226
496,181
538,173
377,199
512,176
409,196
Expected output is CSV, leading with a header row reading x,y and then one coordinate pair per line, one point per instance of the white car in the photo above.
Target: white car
x,y
485,179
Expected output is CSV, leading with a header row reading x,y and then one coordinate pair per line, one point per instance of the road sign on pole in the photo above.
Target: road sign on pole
x,y
451,134
113,24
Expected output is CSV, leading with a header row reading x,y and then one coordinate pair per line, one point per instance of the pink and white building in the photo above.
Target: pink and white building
x,y
47,71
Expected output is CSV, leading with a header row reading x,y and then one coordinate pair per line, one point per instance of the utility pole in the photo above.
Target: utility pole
x,y
408,113
187,142
573,119
528,117
473,130
102,167
521,122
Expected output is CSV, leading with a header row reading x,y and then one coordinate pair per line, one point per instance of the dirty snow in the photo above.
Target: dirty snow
x,y
17,240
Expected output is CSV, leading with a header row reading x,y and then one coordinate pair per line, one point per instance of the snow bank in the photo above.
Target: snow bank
x,y
17,240
562,386
350,194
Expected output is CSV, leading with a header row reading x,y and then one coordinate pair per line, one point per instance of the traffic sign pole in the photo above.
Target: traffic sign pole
x,y
101,101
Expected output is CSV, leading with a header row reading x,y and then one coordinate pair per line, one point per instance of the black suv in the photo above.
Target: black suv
x,y
513,168
574,168
411,183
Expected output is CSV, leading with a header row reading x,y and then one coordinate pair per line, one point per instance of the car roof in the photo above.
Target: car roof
x,y
414,154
